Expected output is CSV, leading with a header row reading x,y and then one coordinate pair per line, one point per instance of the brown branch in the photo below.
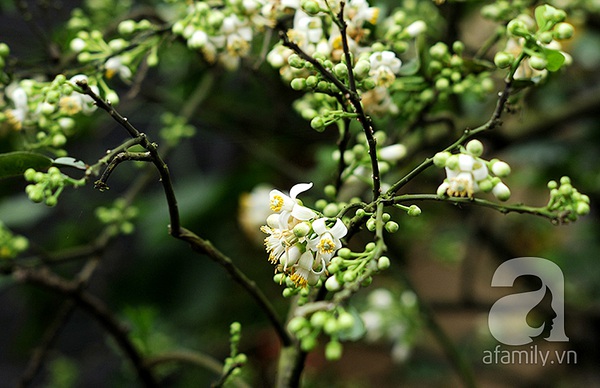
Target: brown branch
x,y
96,309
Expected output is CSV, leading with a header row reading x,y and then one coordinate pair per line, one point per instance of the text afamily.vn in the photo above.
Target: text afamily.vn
x,y
533,355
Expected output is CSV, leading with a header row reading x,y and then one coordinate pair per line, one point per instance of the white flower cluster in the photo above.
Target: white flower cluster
x,y
300,242
467,173
49,106
225,34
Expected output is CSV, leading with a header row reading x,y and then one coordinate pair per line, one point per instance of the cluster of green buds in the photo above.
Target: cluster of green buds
x,y
350,270
45,112
447,69
118,56
567,199
533,42
47,187
10,244
175,128
236,360
467,173
223,33
118,217
358,160
335,322
391,316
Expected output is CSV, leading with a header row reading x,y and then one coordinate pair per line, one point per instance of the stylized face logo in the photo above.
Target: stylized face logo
x,y
507,319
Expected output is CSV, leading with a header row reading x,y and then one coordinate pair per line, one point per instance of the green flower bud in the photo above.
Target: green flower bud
x,y
500,168
502,59
4,50
370,247
452,162
565,180
474,147
345,321
517,27
295,61
438,50
563,31
458,47
51,201
552,185
296,324
318,124
59,140
439,159
330,210
298,84
344,253
127,27
538,62
369,84
501,191
362,68
546,37
319,318
414,211
341,70
29,174
582,208
333,350
349,277
391,226
383,263
371,225
308,343
442,84
302,229
331,325
485,185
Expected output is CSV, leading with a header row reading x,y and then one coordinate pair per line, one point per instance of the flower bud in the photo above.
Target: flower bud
x,y
538,62
333,350
440,159
332,284
438,50
563,31
126,27
341,70
383,263
4,50
502,59
414,211
501,191
362,68
416,28
298,84
391,226
517,27
582,208
318,124
302,229
474,147
500,168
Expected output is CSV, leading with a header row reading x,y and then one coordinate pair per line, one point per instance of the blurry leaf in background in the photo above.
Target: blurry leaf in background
x,y
15,163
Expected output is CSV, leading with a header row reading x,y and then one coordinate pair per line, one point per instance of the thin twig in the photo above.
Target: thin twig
x,y
96,308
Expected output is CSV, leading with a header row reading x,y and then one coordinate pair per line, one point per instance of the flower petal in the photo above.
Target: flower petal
x,y
319,226
303,213
299,188
338,230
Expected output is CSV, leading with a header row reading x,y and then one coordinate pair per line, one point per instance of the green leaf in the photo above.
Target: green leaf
x,y
15,163
539,16
68,161
410,68
555,59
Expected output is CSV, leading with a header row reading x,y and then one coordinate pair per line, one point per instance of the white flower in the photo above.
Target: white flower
x,y
304,271
462,180
115,65
78,102
327,241
288,206
16,116
384,67
416,28
359,11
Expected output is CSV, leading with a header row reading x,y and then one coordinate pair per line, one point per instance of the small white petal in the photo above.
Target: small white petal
x,y
299,188
465,162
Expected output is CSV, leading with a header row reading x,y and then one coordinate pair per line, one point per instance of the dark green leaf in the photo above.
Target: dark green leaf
x,y
15,163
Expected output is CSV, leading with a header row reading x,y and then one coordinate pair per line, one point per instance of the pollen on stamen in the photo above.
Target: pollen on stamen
x,y
276,203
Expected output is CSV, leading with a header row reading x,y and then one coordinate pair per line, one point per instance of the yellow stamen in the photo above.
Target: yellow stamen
x,y
276,203
326,246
